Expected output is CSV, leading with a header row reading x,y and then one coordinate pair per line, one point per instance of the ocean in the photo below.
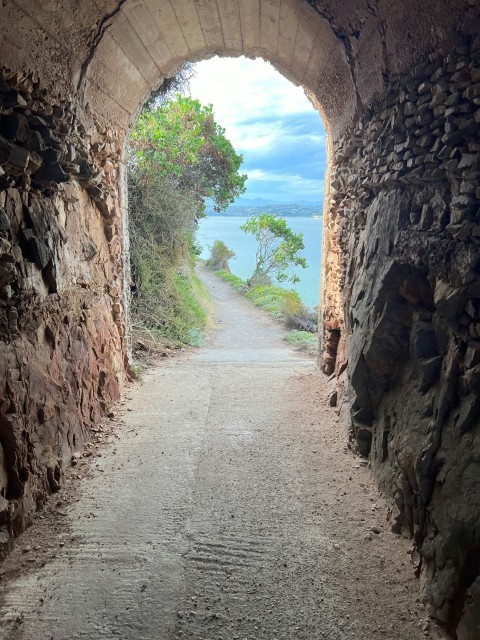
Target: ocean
x,y
227,229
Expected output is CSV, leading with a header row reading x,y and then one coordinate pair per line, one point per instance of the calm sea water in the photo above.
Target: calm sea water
x,y
227,228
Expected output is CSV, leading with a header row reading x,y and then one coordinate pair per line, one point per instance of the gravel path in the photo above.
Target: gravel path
x,y
225,506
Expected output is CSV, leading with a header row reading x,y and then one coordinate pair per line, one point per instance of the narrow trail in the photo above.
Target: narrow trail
x,y
225,508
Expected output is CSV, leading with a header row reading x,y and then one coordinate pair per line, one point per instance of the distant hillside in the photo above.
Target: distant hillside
x,y
281,210
254,202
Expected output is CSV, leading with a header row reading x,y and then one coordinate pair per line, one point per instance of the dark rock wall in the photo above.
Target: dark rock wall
x,y
61,317
406,213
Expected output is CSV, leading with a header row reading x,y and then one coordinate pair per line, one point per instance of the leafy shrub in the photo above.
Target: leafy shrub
x,y
195,337
272,298
297,316
259,279
220,254
291,308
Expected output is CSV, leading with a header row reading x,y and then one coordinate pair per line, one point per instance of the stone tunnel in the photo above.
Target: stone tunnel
x,y
398,85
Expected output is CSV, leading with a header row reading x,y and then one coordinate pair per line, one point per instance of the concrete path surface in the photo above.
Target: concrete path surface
x,y
226,507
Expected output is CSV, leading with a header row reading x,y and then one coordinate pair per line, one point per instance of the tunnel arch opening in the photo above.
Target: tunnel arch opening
x,y
404,83
145,44
281,137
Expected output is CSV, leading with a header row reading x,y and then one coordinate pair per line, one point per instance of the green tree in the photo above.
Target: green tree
x,y
278,247
220,254
180,138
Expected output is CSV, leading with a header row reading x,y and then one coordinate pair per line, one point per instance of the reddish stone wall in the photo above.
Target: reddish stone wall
x,y
61,317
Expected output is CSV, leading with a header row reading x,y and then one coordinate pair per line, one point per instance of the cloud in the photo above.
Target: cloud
x,y
285,187
268,120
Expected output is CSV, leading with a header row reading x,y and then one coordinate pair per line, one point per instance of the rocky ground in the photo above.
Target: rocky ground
x,y
218,502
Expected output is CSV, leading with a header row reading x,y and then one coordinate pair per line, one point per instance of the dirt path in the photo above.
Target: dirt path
x,y
225,508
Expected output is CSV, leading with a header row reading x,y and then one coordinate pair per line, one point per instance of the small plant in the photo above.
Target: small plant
x,y
220,254
302,340
195,337
233,280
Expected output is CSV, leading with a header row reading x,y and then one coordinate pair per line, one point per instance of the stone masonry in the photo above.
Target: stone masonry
x,y
61,322
405,210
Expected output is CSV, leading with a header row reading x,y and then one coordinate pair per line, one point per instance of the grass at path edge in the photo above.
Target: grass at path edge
x,y
282,304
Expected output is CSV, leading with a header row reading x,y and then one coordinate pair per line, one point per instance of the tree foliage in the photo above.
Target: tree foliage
x,y
180,138
178,156
278,247
220,254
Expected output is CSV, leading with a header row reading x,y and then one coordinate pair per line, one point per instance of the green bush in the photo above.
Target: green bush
x,y
272,298
220,254
196,337
297,316
259,279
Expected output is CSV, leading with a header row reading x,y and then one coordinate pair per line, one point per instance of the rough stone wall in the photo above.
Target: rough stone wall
x,y
401,276
405,225
61,322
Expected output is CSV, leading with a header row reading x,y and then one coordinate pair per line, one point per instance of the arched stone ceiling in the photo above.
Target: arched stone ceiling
x,y
116,51
149,39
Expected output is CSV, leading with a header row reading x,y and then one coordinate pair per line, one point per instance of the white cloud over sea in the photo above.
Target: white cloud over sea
x,y
271,122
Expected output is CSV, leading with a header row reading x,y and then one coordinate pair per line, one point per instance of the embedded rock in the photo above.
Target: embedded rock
x,y
406,199
61,320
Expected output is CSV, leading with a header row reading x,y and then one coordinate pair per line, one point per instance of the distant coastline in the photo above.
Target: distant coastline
x,y
281,210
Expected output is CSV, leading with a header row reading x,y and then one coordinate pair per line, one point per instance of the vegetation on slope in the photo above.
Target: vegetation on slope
x,y
278,248
282,304
178,157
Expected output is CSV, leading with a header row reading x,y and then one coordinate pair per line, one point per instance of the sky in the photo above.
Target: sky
x,y
271,123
